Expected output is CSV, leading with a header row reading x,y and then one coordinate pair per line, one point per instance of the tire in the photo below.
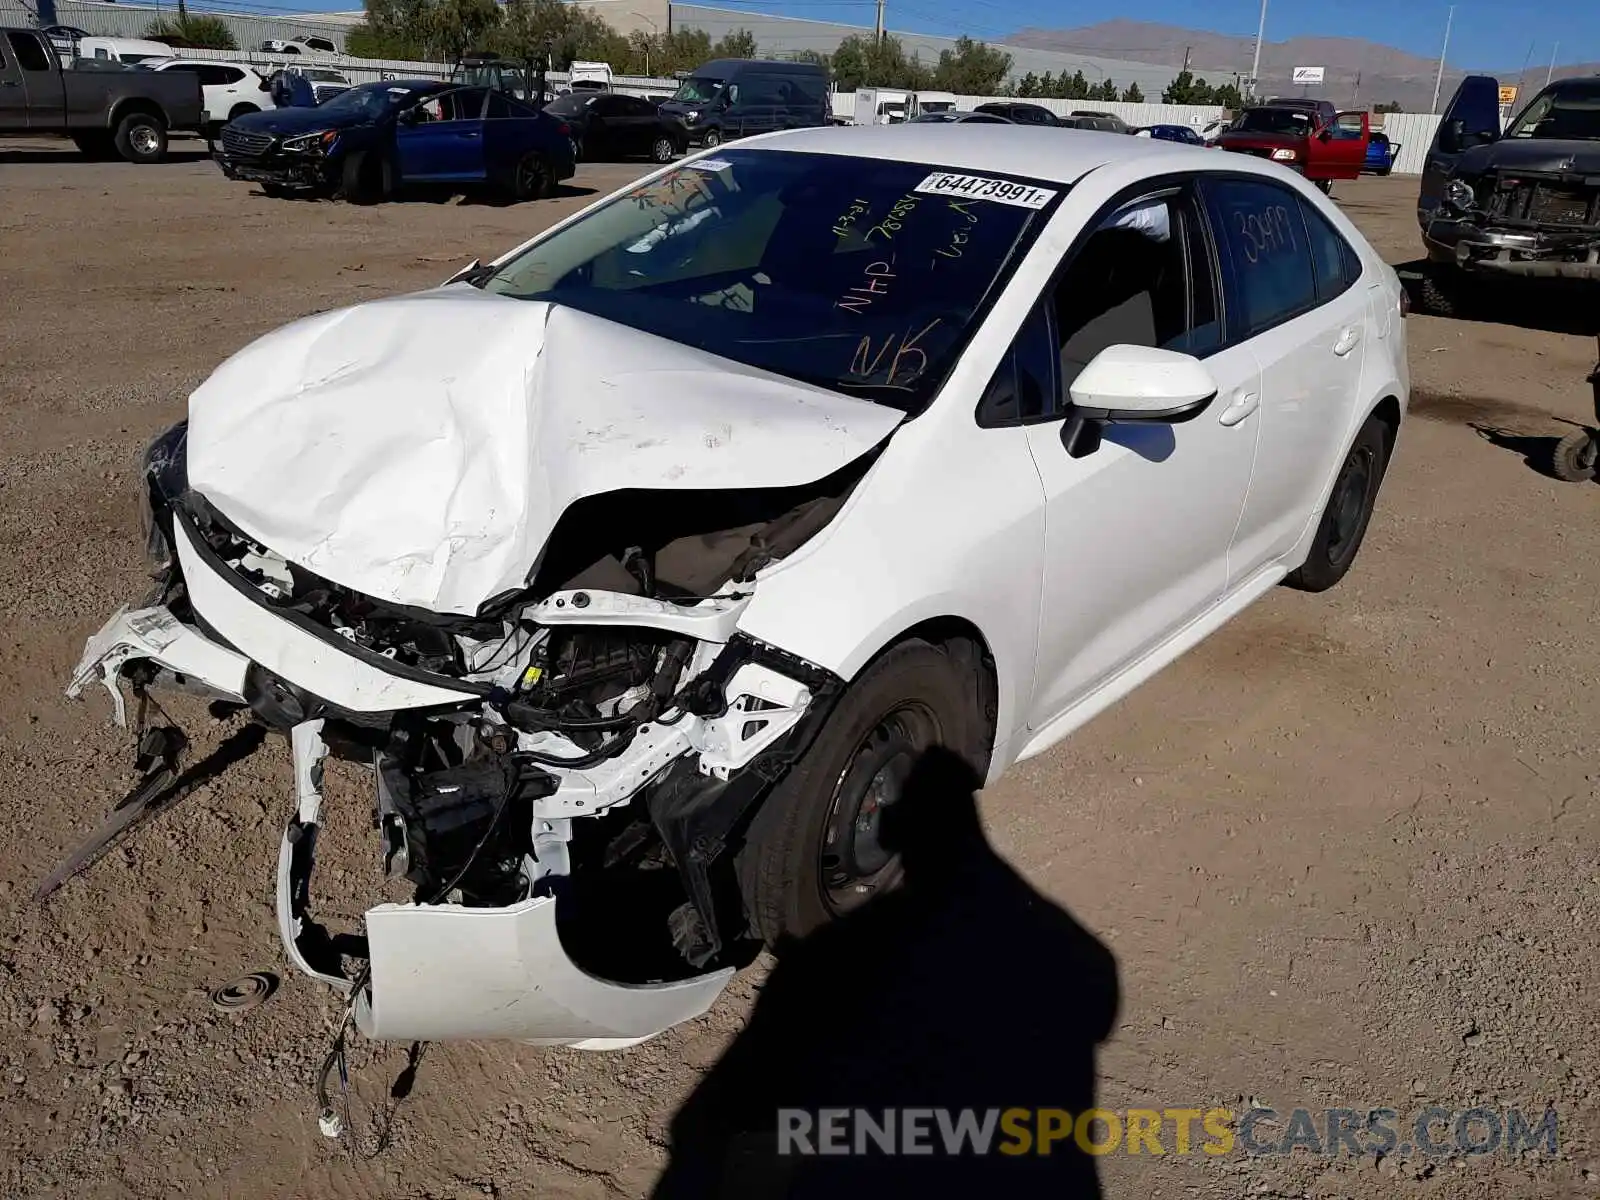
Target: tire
x,y
1343,523
532,178
364,178
240,110
1438,300
1325,186
1575,457
796,873
712,139
663,149
141,137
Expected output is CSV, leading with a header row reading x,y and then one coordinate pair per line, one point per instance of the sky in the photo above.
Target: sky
x,y
1486,34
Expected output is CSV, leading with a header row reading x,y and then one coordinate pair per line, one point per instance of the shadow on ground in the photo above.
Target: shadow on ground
x,y
962,989
1557,306
67,154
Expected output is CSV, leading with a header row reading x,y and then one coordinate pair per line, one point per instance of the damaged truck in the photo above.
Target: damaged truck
x,y
642,567
1523,204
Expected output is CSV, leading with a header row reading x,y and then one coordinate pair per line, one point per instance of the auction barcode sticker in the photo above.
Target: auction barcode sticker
x,y
981,187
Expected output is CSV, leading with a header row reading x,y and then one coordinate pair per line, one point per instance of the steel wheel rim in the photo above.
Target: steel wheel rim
x,y
144,139
852,863
1349,502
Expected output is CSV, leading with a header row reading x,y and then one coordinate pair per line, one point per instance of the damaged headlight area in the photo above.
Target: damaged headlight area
x,y
563,779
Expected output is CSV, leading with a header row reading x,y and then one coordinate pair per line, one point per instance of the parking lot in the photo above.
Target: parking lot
x,y
1347,853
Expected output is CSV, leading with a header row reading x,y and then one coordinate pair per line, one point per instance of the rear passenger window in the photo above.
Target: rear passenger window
x,y
1337,265
1264,237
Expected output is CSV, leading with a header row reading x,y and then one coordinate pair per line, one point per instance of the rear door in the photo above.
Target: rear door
x,y
30,83
1292,301
1476,106
444,140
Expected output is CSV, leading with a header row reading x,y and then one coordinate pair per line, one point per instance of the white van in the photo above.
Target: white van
x,y
590,76
123,50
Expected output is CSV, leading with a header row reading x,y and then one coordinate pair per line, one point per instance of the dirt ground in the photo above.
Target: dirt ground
x,y
1345,854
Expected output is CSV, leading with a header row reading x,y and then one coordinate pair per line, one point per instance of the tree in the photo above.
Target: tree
x,y
1106,91
1132,94
971,68
1028,85
741,43
1393,106
1228,96
1076,88
194,32
861,62
1181,90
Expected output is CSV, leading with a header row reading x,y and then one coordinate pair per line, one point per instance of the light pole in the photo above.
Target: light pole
x,y
1551,73
1438,80
654,29
1255,67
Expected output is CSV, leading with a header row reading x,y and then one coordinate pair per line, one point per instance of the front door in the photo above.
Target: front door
x,y
1472,117
442,141
1339,149
1136,532
1292,301
29,81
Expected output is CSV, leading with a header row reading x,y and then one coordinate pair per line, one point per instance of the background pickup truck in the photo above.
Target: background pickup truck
x,y
106,110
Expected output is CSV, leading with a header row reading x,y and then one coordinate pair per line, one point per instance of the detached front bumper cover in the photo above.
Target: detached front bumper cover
x,y
1471,244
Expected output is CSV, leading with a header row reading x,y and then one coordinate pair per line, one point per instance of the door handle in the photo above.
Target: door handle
x,y
1348,340
1241,408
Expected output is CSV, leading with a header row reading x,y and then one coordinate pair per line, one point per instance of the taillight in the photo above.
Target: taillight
x,y
566,130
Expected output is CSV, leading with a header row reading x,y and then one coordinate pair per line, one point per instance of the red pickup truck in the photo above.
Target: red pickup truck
x,y
1321,146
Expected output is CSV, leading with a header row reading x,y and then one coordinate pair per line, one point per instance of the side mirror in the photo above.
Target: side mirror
x,y
1134,385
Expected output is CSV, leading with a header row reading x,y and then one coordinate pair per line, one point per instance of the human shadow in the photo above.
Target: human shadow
x,y
962,989
1538,453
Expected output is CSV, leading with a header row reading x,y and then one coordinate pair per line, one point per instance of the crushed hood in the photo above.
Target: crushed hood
x,y
1544,155
420,450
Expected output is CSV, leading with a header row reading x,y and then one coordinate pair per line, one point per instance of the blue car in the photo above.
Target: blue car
x,y
370,141
1174,133
1381,153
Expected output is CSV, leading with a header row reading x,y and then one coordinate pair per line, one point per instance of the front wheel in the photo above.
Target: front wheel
x,y
1349,509
1576,457
532,179
815,851
364,178
712,139
141,138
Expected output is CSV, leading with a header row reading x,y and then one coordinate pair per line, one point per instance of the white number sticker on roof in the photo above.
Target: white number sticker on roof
x,y
709,164
981,187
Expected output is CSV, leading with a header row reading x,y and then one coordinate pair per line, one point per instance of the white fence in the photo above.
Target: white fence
x,y
1196,115
1414,132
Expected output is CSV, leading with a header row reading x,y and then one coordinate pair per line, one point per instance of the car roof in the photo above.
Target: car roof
x,y
1059,155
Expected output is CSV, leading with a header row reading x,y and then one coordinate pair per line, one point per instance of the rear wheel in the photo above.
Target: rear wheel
x,y
1326,185
141,137
1576,456
814,851
1349,509
663,149
533,178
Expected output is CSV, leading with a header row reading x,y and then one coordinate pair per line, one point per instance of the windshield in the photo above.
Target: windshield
x,y
139,58
1274,120
371,100
569,105
698,91
854,274
323,76
1571,111
938,106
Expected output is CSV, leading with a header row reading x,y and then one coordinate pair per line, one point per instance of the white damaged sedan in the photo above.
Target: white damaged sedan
x,y
639,565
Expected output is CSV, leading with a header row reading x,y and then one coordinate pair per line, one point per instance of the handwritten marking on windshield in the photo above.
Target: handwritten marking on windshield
x,y
895,221
866,363
1265,233
857,210
959,237
858,299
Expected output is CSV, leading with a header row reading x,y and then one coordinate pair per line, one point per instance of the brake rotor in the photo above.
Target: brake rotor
x,y
244,993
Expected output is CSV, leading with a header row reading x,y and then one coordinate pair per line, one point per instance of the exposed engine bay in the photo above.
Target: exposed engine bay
x,y
1520,223
597,740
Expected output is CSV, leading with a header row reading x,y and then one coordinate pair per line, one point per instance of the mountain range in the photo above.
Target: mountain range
x,y
1358,72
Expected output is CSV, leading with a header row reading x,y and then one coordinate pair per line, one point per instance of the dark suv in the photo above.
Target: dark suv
x,y
1021,114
